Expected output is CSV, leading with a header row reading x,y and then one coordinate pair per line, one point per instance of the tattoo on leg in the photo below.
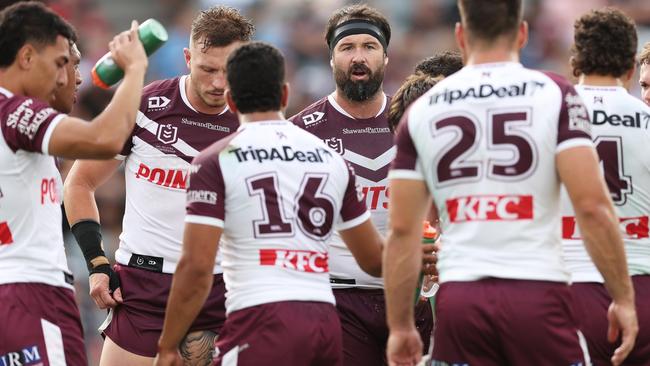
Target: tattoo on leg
x,y
197,349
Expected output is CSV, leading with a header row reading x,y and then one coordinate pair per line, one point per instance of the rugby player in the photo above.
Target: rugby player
x,y
644,73
491,145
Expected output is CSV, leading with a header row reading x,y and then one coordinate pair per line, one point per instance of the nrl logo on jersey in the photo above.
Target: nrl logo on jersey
x,y
167,134
157,103
336,144
313,118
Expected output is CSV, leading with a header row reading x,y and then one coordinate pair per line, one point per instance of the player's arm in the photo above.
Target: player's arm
x,y
79,188
366,246
104,136
408,205
191,285
579,170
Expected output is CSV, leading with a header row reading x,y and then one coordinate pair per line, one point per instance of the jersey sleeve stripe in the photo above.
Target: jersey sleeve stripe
x,y
45,145
575,142
405,174
354,222
204,220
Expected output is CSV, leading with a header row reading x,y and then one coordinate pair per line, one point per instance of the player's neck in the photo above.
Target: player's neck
x,y
261,116
10,81
490,56
362,110
197,103
599,80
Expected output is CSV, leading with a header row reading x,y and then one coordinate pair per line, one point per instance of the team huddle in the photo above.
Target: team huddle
x,y
250,238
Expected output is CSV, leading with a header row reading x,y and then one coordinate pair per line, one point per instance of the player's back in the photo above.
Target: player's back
x,y
620,132
284,191
485,140
31,240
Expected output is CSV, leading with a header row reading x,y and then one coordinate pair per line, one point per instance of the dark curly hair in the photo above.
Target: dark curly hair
x,y
413,87
30,22
220,26
357,11
255,73
605,43
445,64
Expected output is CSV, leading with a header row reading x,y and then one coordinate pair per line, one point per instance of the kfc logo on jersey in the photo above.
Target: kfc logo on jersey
x,y
630,228
298,260
336,144
312,118
157,103
26,356
167,134
490,208
173,178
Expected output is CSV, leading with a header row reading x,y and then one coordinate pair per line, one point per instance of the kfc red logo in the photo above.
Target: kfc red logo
x,y
490,208
299,260
630,228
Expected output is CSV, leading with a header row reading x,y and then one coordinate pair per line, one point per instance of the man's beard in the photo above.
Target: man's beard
x,y
360,90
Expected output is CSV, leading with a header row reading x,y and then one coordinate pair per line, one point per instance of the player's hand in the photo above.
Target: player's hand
x,y
168,358
622,321
404,347
429,259
100,291
127,51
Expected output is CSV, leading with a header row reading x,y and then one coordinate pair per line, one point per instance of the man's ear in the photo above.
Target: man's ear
x,y
284,101
25,56
188,57
230,101
522,35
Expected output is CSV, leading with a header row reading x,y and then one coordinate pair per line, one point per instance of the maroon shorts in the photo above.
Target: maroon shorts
x,y
591,302
495,322
136,324
40,324
292,333
363,322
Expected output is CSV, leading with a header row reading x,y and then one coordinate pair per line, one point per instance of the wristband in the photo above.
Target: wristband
x,y
89,238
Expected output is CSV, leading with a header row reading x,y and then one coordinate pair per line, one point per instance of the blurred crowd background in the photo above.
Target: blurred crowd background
x,y
420,28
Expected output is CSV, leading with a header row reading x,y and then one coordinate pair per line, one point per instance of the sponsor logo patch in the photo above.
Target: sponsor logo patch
x,y
490,208
157,103
630,227
298,260
312,118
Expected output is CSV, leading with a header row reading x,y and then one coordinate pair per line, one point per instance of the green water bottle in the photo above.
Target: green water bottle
x,y
106,73
429,236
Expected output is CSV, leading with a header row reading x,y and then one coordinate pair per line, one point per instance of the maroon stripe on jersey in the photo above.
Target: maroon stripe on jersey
x,y
206,191
23,122
574,118
353,204
373,175
407,156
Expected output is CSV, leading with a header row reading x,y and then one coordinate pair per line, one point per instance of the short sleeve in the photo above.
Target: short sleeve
x,y
206,191
27,124
353,208
405,165
574,127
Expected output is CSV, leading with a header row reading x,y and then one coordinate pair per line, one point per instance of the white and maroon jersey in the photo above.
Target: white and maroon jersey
x,y
279,193
31,240
619,125
485,140
168,134
367,144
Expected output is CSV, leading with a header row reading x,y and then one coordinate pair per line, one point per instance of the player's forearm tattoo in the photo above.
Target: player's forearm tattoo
x,y
197,349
